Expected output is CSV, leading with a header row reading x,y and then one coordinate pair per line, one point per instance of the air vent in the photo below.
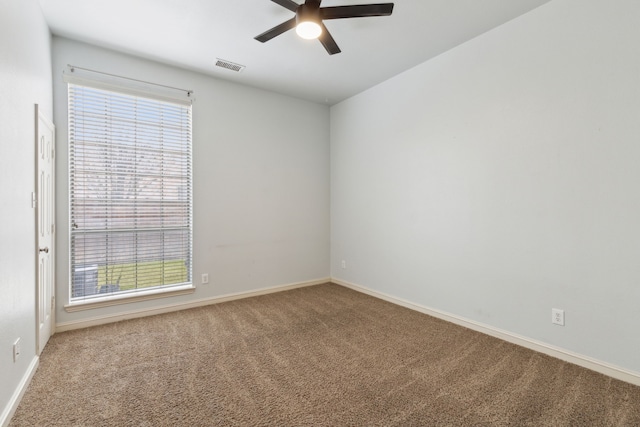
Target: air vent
x,y
229,65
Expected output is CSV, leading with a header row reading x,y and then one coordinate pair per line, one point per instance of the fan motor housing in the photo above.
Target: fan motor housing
x,y
306,13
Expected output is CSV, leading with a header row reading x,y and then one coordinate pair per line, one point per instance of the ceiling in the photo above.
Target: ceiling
x,y
191,34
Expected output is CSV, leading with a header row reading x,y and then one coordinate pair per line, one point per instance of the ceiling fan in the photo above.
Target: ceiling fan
x,y
309,17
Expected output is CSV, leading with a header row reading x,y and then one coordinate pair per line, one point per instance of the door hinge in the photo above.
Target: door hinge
x,y
34,200
53,302
53,228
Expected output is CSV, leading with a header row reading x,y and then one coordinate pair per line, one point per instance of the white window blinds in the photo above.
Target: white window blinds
x,y
130,172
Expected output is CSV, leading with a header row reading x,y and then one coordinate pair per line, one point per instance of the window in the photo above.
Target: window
x,y
130,207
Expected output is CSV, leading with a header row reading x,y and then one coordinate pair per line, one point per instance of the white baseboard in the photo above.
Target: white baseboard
x,y
541,347
11,407
133,314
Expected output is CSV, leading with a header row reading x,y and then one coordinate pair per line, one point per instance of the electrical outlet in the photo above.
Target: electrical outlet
x,y
205,278
344,264
17,348
557,316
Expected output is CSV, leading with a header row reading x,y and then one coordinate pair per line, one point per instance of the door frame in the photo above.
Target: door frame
x,y
41,118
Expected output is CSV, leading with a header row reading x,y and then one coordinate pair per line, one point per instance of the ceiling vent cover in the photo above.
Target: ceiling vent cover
x,y
223,63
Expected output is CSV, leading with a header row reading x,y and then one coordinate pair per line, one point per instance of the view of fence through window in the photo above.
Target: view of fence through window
x,y
130,192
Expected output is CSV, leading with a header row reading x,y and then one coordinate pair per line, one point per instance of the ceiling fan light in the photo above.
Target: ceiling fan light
x,y
308,30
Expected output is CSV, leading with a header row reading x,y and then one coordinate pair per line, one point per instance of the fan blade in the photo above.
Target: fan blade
x,y
287,4
328,42
356,11
276,31
313,3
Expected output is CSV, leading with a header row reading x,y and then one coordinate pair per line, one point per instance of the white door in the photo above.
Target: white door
x,y
45,134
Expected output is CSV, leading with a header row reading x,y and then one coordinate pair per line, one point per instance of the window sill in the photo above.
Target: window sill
x,y
111,300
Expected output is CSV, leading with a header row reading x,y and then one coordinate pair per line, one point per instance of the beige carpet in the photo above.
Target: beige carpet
x,y
317,356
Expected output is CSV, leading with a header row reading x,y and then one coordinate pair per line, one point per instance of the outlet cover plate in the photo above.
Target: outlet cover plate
x,y
557,316
17,349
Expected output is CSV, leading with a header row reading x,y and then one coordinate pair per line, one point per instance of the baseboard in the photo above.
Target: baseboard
x,y
11,407
133,314
541,347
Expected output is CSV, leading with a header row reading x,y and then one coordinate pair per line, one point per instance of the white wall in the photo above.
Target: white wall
x,y
500,179
261,181
25,80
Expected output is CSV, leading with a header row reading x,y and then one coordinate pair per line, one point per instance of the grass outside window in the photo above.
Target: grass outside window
x,y
142,275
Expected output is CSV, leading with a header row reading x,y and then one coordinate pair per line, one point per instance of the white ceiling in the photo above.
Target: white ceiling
x,y
192,33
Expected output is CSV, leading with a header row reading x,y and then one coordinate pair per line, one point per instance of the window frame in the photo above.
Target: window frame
x,y
136,89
